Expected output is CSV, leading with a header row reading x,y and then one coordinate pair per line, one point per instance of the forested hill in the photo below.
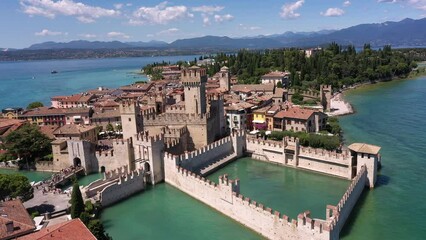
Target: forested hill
x,y
333,65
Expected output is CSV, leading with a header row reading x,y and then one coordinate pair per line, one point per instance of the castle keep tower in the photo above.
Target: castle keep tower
x,y
131,119
194,80
225,78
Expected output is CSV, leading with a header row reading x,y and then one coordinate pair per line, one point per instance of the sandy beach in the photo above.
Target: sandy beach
x,y
339,106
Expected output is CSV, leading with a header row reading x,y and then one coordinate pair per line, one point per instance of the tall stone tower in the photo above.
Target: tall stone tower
x,y
131,119
225,78
194,81
325,96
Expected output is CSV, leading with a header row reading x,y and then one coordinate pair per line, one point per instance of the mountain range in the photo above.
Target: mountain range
x,y
407,33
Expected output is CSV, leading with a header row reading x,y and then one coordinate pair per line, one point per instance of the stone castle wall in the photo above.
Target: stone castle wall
x,y
289,153
225,198
45,166
120,155
127,185
337,215
116,185
204,156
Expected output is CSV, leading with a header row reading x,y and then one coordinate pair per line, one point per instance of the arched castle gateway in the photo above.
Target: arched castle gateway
x,y
183,144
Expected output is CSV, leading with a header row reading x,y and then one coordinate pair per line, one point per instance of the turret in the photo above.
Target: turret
x,y
225,78
368,155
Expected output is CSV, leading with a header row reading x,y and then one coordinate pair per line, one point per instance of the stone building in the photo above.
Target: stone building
x,y
299,120
276,77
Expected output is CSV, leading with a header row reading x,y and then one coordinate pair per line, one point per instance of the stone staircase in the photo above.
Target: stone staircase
x,y
218,164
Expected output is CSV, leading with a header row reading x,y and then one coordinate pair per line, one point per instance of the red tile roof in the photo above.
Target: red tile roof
x,y
44,111
48,130
275,74
13,212
296,113
70,230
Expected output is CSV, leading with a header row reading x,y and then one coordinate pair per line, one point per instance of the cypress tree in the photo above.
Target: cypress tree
x,y
77,204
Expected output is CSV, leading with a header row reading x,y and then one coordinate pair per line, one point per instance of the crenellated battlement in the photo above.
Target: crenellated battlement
x,y
322,154
308,94
175,108
226,198
116,172
268,143
128,106
326,87
174,132
336,216
120,185
175,119
193,75
108,153
145,138
190,156
214,97
290,153
131,176
288,140
355,181
148,111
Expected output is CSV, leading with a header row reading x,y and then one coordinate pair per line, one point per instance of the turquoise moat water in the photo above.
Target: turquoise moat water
x,y
392,115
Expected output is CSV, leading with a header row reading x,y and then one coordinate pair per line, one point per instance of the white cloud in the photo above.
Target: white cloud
x,y
333,12
169,31
50,9
206,20
208,9
288,10
251,28
46,32
347,3
118,5
418,4
88,35
118,35
159,14
223,18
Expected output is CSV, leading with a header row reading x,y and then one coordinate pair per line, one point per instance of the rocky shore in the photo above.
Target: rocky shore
x,y
339,106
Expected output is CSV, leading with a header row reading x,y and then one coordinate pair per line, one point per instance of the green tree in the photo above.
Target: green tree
x,y
77,204
279,84
109,127
97,229
119,127
85,218
28,143
15,185
35,105
297,98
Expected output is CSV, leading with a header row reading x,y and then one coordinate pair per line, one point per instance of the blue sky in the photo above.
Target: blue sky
x,y
24,22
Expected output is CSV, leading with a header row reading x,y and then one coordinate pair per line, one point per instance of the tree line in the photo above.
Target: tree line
x,y
334,65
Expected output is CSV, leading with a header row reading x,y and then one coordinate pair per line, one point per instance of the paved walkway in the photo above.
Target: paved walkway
x,y
48,201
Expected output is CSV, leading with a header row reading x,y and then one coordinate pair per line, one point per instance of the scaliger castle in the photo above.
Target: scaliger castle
x,y
183,144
